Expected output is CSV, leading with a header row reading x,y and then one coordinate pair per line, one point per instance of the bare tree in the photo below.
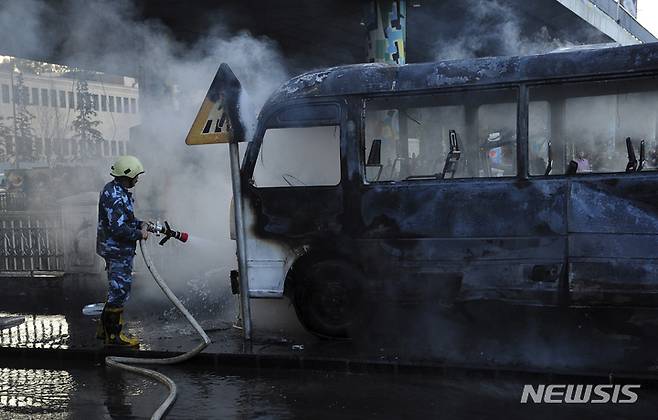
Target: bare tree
x,y
26,141
5,141
85,126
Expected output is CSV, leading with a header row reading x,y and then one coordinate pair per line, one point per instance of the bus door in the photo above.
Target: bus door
x,y
613,204
444,214
294,195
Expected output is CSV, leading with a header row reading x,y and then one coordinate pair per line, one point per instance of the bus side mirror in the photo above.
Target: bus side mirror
x,y
375,155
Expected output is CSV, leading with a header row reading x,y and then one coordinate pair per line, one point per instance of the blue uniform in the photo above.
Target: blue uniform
x,y
116,239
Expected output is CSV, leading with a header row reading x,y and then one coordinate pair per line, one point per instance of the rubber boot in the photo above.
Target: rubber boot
x,y
100,329
112,324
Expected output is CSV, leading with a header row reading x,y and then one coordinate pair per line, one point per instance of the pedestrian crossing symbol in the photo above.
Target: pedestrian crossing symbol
x,y
213,121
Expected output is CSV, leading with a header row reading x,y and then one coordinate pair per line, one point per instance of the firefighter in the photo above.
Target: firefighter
x,y
117,235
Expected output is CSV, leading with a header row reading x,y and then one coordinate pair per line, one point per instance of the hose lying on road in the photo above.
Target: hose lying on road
x,y
124,362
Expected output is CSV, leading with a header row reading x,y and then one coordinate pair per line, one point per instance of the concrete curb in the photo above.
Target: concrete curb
x,y
32,357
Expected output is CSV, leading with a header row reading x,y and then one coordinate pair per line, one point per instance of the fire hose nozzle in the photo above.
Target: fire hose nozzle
x,y
167,231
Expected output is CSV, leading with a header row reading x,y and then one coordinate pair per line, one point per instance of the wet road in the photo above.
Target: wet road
x,y
45,389
86,391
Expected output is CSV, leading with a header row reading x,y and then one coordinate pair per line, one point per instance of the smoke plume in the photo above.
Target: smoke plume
x,y
189,186
494,28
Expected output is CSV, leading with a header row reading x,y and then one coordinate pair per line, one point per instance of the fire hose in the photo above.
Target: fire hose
x,y
126,362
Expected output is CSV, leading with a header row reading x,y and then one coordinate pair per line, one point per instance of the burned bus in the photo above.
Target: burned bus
x,y
522,180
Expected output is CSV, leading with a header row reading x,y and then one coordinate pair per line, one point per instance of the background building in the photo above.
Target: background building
x,y
53,100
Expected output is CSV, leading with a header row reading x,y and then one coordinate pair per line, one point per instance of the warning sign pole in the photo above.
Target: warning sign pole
x,y
218,121
234,154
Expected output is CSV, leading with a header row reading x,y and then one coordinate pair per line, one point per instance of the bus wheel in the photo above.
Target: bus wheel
x,y
327,298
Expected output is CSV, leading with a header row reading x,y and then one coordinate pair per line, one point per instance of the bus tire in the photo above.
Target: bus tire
x,y
327,298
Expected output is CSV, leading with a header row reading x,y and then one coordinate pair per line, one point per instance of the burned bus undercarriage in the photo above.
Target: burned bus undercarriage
x,y
504,179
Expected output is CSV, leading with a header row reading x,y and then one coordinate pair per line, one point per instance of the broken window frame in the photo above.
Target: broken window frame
x,y
466,97
301,115
592,85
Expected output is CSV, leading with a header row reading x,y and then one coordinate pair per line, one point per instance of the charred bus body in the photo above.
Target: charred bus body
x,y
506,179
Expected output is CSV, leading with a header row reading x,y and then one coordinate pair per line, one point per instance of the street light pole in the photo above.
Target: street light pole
x,y
13,103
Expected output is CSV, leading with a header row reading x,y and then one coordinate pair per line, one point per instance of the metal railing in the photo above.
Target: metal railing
x,y
46,243
13,201
31,243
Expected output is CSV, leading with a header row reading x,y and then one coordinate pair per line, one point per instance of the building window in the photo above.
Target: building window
x,y
103,103
119,104
39,146
62,99
114,148
126,108
26,95
94,102
106,148
21,97
56,147
44,97
35,96
53,98
71,100
48,148
5,94
110,100
133,105
122,147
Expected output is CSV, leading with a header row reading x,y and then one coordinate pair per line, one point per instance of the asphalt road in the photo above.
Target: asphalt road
x,y
47,389
38,390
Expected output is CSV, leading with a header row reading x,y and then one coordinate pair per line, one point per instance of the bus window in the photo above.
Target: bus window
x,y
415,136
587,125
299,157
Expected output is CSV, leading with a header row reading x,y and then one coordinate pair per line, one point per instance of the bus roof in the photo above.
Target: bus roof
x,y
374,78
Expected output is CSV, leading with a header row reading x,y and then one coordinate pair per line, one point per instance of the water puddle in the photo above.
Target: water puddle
x,y
38,331
33,391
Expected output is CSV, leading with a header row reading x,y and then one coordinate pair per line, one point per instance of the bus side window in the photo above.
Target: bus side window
x,y
587,125
415,135
299,157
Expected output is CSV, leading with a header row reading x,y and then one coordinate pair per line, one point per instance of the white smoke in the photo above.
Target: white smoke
x,y
190,186
494,28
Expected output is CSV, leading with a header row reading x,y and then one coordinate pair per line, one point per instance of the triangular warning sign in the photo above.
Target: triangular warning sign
x,y
213,121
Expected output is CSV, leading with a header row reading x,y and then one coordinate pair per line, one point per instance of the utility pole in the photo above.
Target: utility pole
x,y
13,105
